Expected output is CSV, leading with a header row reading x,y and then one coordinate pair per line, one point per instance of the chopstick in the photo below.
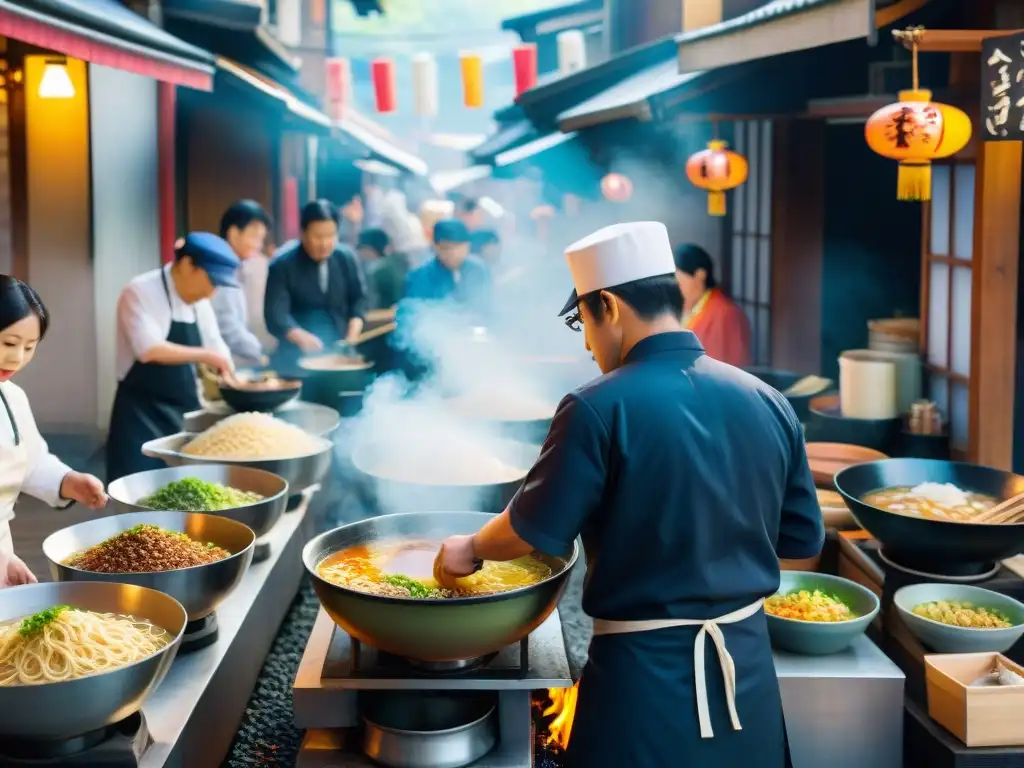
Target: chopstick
x,y
378,331
1009,511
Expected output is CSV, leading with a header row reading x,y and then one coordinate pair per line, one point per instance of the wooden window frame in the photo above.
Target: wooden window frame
x,y
952,263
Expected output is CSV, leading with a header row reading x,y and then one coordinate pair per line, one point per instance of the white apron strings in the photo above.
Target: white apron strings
x,y
707,627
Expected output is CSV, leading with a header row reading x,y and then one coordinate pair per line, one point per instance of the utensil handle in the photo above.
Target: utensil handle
x,y
373,334
1000,510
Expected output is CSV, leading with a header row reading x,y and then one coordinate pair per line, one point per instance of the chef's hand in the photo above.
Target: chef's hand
x,y
306,341
15,573
457,558
216,361
83,488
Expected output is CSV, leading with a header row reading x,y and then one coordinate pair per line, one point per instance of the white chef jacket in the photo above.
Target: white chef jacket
x,y
45,471
144,319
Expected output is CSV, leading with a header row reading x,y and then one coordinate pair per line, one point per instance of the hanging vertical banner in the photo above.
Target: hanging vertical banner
x,y
338,87
524,64
572,51
472,80
290,204
384,86
289,22
424,85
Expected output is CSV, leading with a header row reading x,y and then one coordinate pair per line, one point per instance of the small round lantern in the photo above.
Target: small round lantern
x,y
915,131
716,169
616,188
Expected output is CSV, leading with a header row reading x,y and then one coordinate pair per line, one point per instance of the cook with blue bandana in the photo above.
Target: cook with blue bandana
x,y
688,481
166,326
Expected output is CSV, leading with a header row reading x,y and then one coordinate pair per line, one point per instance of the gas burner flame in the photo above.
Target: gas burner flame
x,y
561,707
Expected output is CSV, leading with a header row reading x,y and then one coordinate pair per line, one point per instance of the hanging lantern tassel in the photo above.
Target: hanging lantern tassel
x,y
472,80
915,131
717,169
384,87
424,85
524,63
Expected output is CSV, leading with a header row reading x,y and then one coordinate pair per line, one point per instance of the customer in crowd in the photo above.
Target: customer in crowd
x,y
469,211
721,325
384,269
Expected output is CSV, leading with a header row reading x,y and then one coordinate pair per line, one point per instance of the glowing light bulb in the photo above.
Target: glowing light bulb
x,y
56,82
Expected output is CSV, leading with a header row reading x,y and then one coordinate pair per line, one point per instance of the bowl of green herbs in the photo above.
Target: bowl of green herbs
x,y
250,496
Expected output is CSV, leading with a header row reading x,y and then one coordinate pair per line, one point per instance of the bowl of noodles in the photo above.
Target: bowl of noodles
x,y
256,440
197,559
76,657
922,511
374,578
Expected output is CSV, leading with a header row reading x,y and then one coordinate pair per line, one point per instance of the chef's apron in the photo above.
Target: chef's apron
x,y
13,471
151,402
647,701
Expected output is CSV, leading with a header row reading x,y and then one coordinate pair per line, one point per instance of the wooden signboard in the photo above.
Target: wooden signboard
x,y
1002,88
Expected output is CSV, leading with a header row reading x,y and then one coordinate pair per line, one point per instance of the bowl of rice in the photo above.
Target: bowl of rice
x,y
256,440
817,614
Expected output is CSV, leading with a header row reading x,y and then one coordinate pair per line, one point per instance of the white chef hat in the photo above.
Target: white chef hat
x,y
616,255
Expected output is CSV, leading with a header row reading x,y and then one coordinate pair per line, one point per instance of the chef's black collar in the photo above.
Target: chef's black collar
x,y
670,341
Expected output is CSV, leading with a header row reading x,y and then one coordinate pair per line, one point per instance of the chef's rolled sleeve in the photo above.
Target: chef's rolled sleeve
x,y
801,528
566,484
139,324
277,302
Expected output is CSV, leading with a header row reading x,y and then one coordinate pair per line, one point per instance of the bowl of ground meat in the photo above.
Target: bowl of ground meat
x,y
197,559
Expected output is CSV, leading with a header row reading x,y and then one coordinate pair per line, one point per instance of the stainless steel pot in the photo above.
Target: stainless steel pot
x,y
74,707
316,419
375,462
199,589
428,729
300,471
261,516
431,630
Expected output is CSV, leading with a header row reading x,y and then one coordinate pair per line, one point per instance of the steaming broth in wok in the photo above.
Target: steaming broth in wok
x,y
931,501
484,406
406,568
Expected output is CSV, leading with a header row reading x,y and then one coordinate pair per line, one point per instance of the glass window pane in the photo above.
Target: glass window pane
x,y
739,136
960,322
963,211
752,186
764,337
750,269
736,278
764,271
960,415
765,203
939,244
938,314
938,392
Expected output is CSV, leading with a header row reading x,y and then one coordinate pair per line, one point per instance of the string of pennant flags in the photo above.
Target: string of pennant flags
x,y
572,56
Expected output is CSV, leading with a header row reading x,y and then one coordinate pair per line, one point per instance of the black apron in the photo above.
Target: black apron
x,y
151,402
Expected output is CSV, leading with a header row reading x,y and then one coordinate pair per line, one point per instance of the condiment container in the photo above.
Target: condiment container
x,y
980,716
867,385
895,334
925,418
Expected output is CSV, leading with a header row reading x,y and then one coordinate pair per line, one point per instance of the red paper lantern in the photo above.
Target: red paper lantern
x,y
384,88
338,87
524,63
716,169
616,188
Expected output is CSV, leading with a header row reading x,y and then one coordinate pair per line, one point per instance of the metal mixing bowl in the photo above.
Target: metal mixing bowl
x,y
427,629
74,707
199,589
299,471
316,419
260,516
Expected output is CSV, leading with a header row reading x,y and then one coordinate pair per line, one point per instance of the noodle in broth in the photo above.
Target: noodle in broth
x,y
63,643
405,569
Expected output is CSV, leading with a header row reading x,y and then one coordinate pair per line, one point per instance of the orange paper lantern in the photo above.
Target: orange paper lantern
x,y
472,80
616,188
716,169
915,131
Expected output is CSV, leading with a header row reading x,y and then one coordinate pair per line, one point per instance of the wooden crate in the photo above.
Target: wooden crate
x,y
979,716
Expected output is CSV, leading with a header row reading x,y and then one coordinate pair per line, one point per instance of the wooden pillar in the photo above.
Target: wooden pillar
x,y
994,302
166,95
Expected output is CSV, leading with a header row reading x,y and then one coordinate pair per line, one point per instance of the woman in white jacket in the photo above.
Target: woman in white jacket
x,y
26,464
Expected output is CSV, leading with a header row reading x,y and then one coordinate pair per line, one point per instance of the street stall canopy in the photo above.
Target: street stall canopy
x,y
301,115
444,182
509,135
551,20
377,143
533,149
107,33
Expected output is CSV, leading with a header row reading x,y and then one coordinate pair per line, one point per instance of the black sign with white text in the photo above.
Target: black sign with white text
x,y
1002,88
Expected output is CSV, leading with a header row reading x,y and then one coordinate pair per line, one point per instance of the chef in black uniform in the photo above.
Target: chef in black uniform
x,y
165,326
688,480
316,295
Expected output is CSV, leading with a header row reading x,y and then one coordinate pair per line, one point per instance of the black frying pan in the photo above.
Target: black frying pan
x,y
932,546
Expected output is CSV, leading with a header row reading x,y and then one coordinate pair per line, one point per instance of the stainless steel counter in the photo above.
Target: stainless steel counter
x,y
194,714
844,710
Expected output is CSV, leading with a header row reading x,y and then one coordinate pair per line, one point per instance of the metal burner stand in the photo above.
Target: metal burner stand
x,y
335,668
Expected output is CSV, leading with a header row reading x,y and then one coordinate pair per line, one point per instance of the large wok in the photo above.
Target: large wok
x,y
932,546
431,630
376,461
75,707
